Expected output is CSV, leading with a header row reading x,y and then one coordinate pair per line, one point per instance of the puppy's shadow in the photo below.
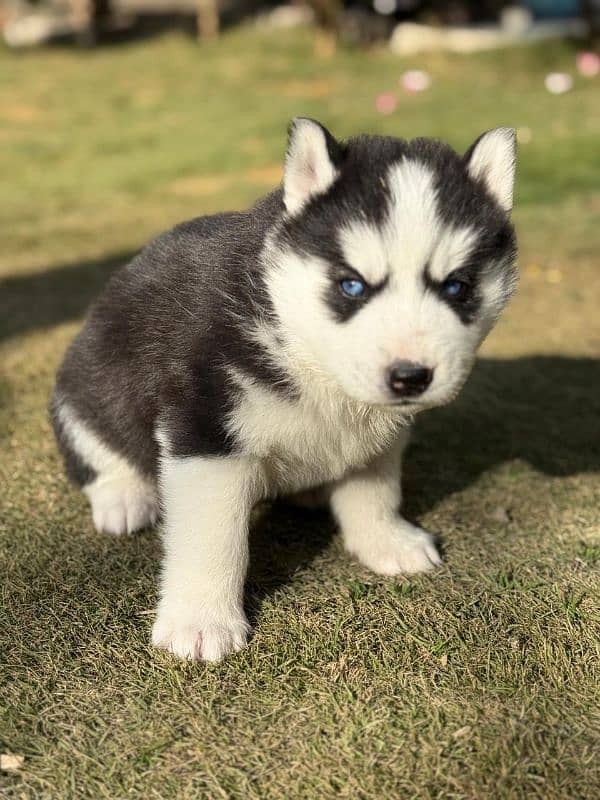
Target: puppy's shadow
x,y
541,410
283,542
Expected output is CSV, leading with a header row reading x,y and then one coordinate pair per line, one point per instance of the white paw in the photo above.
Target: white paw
x,y
122,505
203,640
397,549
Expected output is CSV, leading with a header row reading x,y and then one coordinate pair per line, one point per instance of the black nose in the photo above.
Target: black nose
x,y
406,379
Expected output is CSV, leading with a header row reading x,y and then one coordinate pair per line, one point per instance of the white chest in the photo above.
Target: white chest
x,y
309,442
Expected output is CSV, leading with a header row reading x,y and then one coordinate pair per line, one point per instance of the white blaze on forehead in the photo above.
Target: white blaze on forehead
x,y
451,251
363,248
413,224
415,235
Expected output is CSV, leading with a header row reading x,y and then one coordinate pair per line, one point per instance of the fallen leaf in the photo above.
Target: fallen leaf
x,y
554,276
464,731
501,514
11,762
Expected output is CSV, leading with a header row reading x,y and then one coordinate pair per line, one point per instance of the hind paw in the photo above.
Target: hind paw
x,y
122,505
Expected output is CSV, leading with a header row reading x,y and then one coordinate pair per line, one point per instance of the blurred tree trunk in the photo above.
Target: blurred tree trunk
x,y
207,18
327,13
591,11
88,18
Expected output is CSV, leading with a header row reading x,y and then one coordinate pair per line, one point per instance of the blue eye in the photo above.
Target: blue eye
x,y
456,290
352,287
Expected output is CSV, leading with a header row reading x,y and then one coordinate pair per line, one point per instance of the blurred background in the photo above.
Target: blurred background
x,y
28,22
119,118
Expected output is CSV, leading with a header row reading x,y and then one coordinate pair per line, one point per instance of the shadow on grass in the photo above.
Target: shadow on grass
x,y
45,299
542,410
284,543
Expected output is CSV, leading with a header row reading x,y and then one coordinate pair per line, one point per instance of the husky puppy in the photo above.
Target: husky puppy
x,y
288,347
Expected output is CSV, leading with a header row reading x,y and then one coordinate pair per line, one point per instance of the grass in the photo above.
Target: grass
x,y
479,681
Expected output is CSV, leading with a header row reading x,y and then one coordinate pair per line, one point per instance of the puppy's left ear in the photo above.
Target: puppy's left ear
x,y
310,163
492,159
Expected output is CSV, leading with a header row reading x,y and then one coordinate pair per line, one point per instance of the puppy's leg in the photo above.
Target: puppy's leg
x,y
366,504
122,499
207,505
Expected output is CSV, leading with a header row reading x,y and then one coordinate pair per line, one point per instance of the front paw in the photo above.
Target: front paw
x,y
398,548
200,637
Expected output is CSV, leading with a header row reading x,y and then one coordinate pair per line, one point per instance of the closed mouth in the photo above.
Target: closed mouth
x,y
403,403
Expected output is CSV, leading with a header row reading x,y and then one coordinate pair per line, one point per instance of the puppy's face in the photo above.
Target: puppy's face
x,y
394,260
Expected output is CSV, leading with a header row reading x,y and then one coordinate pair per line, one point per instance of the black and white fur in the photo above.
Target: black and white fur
x,y
224,364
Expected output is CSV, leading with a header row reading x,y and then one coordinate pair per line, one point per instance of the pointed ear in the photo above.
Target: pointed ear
x,y
310,163
492,159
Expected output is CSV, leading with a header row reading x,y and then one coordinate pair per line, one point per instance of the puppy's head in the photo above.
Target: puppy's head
x,y
394,259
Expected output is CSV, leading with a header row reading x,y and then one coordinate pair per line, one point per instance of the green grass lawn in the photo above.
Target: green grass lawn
x,y
479,681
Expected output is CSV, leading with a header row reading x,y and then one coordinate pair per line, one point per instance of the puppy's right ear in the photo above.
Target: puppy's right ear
x,y
310,163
